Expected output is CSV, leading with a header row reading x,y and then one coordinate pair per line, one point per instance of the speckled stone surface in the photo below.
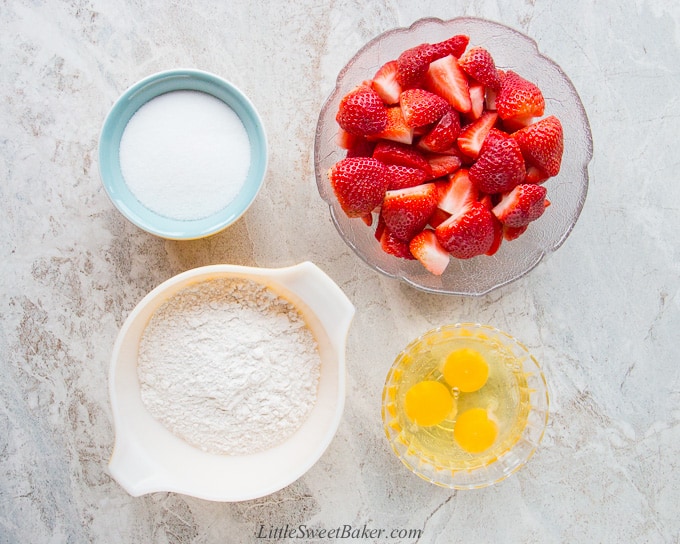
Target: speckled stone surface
x,y
602,314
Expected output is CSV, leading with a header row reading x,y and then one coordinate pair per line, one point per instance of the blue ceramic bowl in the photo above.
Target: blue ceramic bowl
x,y
114,126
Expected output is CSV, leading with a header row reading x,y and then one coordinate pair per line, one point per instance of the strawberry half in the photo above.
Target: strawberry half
x,y
472,136
478,63
401,177
425,247
405,155
468,233
455,46
542,144
412,65
392,245
420,107
385,83
499,168
359,184
445,78
443,135
443,164
362,112
518,99
524,204
406,211
396,129
456,193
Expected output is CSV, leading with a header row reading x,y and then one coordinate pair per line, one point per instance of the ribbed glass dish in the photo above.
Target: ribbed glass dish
x,y
517,387
567,191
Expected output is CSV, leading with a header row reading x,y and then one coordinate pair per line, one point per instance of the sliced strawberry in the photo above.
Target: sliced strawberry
x,y
397,153
401,177
394,246
362,112
455,46
499,168
356,146
518,98
367,218
478,63
412,65
512,233
468,233
443,135
426,248
385,83
497,236
473,135
455,194
535,175
524,204
445,78
396,129
493,136
438,217
420,107
490,101
406,211
542,144
443,164
477,95
359,184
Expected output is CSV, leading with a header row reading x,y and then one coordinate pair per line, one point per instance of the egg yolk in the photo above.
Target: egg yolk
x,y
428,403
474,431
466,370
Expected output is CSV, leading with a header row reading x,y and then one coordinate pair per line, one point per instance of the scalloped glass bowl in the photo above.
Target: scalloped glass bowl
x,y
566,192
444,464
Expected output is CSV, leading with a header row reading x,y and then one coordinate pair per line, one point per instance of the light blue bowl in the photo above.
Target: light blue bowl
x,y
109,160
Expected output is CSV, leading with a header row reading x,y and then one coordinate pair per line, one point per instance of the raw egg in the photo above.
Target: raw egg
x,y
428,403
475,431
466,370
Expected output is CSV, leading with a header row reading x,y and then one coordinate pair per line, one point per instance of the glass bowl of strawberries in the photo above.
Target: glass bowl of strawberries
x,y
453,155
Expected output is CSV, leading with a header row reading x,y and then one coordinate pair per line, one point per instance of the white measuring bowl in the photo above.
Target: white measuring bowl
x,y
148,458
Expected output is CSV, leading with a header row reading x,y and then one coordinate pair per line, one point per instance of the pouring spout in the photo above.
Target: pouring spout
x,y
134,470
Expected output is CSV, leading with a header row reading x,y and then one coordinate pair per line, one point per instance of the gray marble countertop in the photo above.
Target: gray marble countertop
x,y
602,314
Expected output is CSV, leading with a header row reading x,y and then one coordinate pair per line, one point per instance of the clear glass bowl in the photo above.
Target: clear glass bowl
x,y
566,192
515,378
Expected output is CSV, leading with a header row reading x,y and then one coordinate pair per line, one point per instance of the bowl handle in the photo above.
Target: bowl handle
x,y
134,470
324,298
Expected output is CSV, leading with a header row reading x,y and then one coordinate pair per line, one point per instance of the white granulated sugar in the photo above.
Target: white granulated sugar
x,y
185,155
229,366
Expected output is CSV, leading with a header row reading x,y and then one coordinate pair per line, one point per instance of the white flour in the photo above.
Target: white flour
x,y
229,366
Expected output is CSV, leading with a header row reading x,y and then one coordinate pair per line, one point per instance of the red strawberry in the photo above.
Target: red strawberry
x,y
535,175
356,146
542,144
477,94
406,211
455,46
392,245
385,83
468,233
412,65
473,135
438,217
493,136
455,194
518,99
400,177
421,107
512,233
497,228
396,130
426,248
445,78
443,164
443,135
359,184
499,168
397,153
524,204
478,63
362,112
